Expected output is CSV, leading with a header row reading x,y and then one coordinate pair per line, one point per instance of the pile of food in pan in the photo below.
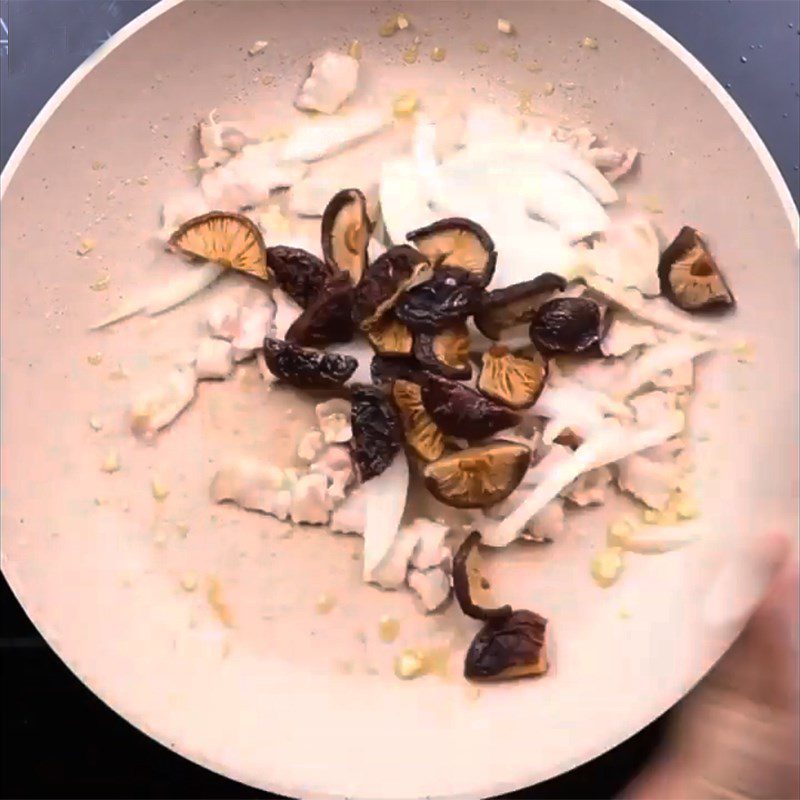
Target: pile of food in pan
x,y
455,372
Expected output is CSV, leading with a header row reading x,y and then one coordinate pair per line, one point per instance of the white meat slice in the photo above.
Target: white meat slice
x,y
351,515
547,523
390,572
312,141
590,488
214,359
219,140
430,550
253,484
431,586
311,446
614,164
249,178
337,466
286,312
652,482
157,407
333,79
223,318
310,503
333,417
255,324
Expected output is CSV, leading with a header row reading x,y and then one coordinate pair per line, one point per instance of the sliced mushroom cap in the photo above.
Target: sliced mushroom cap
x,y
385,370
515,305
462,586
228,239
514,379
457,242
345,232
512,647
448,297
307,369
377,431
461,411
690,277
479,476
390,337
299,273
422,435
328,318
384,279
446,352
567,325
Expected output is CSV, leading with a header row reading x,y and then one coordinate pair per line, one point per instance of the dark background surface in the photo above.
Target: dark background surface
x,y
57,739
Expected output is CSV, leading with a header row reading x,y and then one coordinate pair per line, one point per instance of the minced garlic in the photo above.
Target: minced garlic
x,y
504,26
409,664
159,490
405,104
388,629
111,462
607,566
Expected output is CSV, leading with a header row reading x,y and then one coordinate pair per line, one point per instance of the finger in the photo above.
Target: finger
x,y
742,581
762,665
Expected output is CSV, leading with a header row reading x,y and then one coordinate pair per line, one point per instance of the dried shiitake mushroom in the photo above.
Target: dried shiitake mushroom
x,y
515,305
228,239
479,476
377,431
345,232
457,242
384,370
328,318
567,325
384,279
448,297
299,273
307,369
461,411
690,277
390,337
510,647
462,587
422,435
514,379
446,352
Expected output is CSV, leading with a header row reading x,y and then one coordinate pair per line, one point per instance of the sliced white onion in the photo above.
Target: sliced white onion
x,y
312,141
166,295
656,311
655,360
385,499
608,444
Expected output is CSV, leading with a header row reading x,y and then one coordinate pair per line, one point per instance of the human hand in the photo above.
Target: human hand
x,y
738,734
